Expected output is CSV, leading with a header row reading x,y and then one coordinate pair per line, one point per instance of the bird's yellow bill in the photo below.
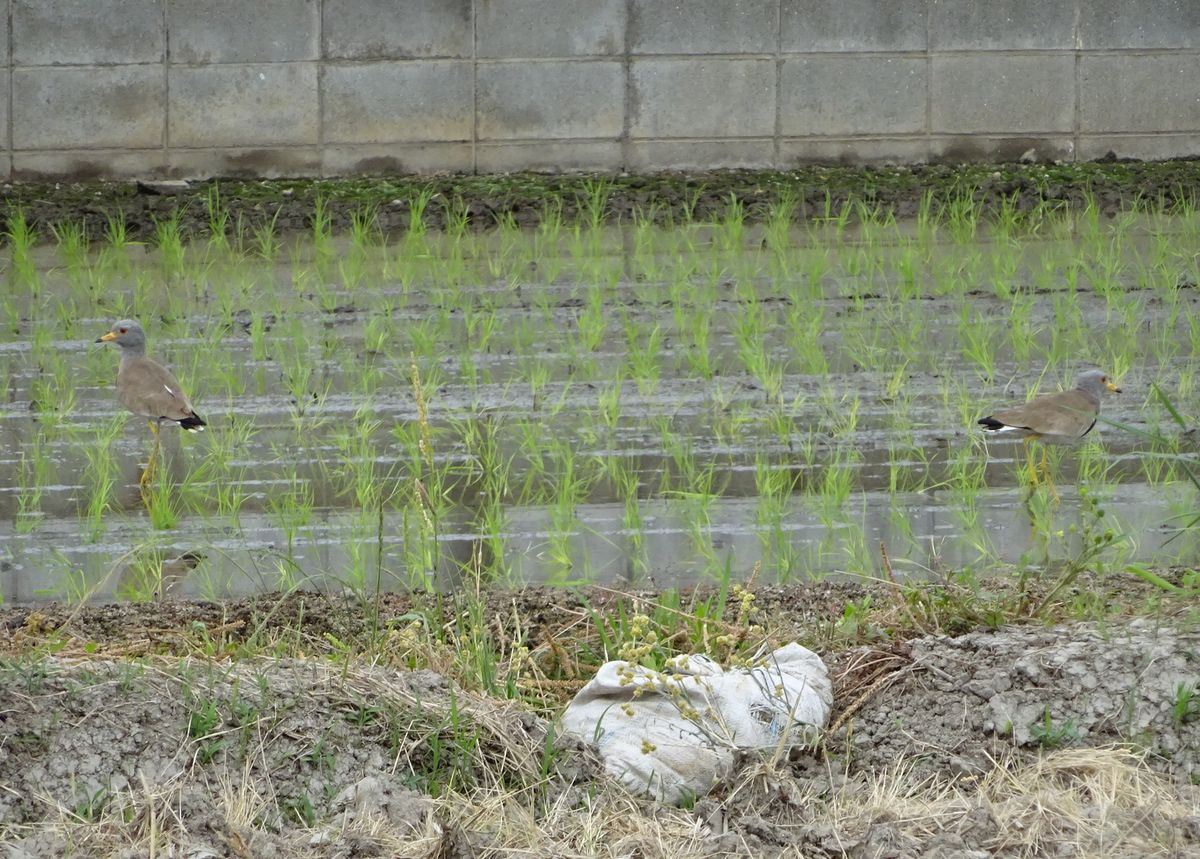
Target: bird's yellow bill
x,y
1113,387
109,336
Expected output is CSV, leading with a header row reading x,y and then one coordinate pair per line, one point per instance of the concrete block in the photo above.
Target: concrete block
x,y
853,151
259,105
952,149
1004,94
397,29
79,32
249,163
969,25
1139,93
121,106
570,157
1145,147
395,159
391,102
235,31
704,27
853,95
699,154
1153,24
563,28
5,86
550,99
703,98
86,164
853,25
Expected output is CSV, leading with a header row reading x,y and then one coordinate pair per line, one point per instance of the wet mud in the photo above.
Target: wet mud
x,y
525,198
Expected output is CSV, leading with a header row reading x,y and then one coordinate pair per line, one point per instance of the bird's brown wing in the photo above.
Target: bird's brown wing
x,y
149,389
1069,414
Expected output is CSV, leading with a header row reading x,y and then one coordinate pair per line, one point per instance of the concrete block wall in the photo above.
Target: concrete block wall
x,y
336,87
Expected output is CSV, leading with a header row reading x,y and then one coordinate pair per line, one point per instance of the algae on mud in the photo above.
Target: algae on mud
x,y
525,198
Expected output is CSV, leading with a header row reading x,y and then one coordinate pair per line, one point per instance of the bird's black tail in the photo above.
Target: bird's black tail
x,y
990,423
193,423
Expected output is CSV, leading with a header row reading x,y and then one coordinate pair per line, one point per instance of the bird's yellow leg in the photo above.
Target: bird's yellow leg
x,y
1047,479
1030,464
148,471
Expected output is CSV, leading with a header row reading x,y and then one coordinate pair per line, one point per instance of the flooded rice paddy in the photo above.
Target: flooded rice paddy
x,y
593,404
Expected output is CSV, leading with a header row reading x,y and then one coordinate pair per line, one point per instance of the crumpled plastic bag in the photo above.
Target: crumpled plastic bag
x,y
673,734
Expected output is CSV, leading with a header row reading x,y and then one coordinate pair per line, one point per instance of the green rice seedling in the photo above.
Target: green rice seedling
x,y
774,486
645,356
218,220
22,274
73,248
292,510
839,413
100,476
695,504
364,228
908,273
732,228
778,233
266,242
978,343
322,229
35,473
533,487
608,401
591,324
168,241
351,274
358,453
300,379
698,356
749,332
1186,704
592,203
837,481
418,206
962,214
966,472
457,217
805,325
781,421
53,391
116,241
1006,221
164,500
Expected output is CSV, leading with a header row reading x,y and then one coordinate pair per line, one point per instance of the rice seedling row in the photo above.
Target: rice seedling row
x,y
579,403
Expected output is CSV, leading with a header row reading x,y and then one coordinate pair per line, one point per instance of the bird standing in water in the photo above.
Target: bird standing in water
x,y
1061,418
148,389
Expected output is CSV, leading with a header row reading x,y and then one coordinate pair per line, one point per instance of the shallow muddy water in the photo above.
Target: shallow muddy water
x,y
646,405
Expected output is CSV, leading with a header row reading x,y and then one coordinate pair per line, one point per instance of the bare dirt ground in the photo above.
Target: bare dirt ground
x,y
260,728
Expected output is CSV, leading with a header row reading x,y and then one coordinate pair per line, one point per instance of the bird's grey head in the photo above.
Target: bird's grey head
x,y
1096,383
127,334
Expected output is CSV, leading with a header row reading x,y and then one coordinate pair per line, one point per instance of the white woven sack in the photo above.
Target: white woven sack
x,y
676,737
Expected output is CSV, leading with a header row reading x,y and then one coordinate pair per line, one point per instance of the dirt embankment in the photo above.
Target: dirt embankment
x,y
1075,740
483,202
